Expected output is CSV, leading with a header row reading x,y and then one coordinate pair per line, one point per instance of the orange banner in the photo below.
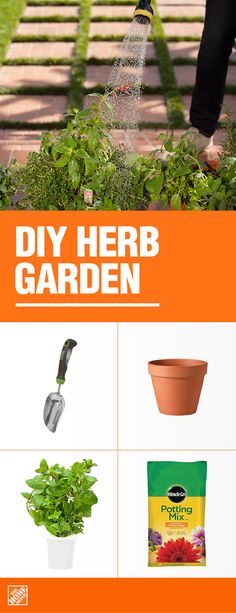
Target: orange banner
x,y
119,595
117,266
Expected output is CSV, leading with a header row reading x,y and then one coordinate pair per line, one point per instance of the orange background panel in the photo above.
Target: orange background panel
x,y
193,276
125,595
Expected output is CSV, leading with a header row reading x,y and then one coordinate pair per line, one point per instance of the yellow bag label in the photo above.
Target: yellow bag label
x,y
181,523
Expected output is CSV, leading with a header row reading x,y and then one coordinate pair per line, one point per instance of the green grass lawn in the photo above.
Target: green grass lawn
x,y
10,13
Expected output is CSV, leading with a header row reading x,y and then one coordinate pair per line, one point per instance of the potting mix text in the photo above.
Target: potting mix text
x,y
41,250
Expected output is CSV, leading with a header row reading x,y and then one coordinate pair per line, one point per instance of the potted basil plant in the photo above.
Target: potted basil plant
x,y
59,500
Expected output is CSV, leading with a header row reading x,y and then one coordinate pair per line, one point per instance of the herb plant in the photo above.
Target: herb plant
x,y
7,187
61,497
75,159
45,187
184,183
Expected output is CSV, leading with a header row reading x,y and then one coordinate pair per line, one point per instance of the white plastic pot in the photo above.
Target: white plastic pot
x,y
60,551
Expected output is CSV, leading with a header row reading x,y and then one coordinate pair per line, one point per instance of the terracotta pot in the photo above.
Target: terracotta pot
x,y
177,385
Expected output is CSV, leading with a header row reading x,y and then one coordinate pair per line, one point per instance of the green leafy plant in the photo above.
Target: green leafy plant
x,y
185,183
147,177
83,147
75,159
44,186
61,497
170,182
7,187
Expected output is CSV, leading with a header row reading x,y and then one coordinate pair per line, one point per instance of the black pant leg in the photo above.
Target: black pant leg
x,y
216,45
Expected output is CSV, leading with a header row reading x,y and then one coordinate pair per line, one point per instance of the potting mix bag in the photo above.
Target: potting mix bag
x,y
176,511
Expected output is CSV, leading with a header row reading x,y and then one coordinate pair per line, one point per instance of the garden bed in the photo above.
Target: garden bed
x,y
81,159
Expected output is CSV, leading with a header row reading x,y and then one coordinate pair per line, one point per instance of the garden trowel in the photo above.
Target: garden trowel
x,y
55,403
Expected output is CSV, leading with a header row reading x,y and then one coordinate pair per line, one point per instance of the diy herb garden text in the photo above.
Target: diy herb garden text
x,y
105,259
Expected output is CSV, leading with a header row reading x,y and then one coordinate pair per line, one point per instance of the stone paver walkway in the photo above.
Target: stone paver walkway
x,y
40,51
111,50
36,74
35,78
20,76
35,109
99,75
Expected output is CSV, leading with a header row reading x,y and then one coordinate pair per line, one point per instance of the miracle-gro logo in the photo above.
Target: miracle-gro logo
x,y
176,493
177,512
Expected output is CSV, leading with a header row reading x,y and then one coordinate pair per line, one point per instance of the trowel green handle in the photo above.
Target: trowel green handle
x,y
64,359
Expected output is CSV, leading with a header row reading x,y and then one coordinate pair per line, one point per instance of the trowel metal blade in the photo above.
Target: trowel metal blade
x,y
53,409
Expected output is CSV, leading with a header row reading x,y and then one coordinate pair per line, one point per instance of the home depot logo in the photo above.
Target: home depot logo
x,y
17,595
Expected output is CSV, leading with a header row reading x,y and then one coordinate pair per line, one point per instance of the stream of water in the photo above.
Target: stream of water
x,y
126,78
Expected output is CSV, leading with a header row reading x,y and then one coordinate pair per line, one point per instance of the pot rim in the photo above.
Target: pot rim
x,y
59,539
177,367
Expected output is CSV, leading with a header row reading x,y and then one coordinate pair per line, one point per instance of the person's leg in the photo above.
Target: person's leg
x,y
213,58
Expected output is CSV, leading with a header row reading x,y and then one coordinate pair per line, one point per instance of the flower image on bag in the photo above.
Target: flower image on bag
x,y
176,513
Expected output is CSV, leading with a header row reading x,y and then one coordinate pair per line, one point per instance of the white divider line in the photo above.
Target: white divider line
x,y
89,304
